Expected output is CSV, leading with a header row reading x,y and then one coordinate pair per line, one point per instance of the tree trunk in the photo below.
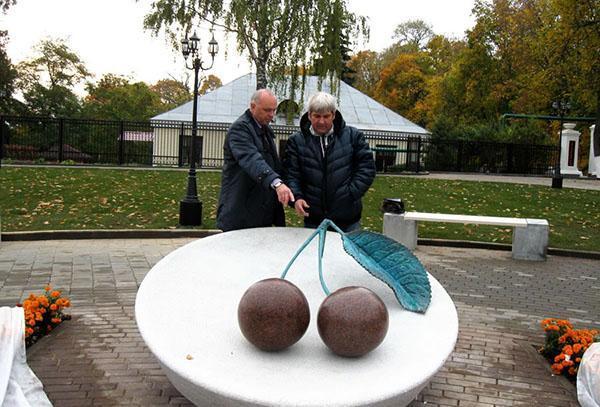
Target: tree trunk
x,y
261,75
262,56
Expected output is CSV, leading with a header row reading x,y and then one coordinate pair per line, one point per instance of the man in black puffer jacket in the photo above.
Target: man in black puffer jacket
x,y
329,166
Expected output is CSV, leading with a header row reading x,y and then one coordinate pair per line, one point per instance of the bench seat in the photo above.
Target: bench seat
x,y
529,242
453,218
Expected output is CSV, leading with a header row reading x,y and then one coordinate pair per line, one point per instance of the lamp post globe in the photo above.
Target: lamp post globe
x,y
190,207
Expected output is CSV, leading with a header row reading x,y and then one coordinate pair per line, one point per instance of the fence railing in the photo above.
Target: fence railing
x,y
166,143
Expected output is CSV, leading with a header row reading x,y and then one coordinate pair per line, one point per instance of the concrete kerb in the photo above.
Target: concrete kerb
x,y
107,234
200,233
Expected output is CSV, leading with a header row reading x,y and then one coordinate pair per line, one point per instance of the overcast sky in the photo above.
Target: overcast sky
x,y
109,37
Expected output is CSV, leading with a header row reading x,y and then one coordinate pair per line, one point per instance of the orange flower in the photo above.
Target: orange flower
x,y
577,347
567,363
42,313
63,302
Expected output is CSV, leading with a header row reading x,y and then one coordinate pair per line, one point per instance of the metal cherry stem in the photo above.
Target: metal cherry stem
x,y
322,233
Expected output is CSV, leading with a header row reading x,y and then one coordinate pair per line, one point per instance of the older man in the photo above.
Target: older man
x,y
329,166
252,190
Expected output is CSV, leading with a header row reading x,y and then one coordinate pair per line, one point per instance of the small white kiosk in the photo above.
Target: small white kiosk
x,y
594,160
569,151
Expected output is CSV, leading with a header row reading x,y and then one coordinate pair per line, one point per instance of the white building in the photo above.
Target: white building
x,y
221,107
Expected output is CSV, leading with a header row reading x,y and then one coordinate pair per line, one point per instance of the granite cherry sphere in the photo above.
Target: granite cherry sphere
x,y
273,314
352,321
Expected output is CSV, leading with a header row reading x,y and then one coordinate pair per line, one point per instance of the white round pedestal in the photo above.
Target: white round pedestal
x,y
186,311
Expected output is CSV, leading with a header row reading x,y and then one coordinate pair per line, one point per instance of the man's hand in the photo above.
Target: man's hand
x,y
284,194
300,205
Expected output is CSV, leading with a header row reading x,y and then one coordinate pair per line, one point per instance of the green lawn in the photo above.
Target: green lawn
x,y
49,198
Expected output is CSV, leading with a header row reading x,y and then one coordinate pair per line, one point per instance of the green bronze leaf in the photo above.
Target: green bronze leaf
x,y
393,264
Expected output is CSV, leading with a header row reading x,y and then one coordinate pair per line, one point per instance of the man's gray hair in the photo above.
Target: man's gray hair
x,y
322,102
256,95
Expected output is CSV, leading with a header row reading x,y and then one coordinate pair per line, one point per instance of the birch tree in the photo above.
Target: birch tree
x,y
277,36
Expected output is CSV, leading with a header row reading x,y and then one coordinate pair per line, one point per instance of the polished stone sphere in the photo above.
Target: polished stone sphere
x,y
352,321
273,314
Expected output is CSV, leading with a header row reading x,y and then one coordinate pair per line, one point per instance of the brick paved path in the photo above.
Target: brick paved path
x,y
99,358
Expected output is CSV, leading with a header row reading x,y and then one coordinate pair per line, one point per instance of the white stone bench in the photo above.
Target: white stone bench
x,y
529,242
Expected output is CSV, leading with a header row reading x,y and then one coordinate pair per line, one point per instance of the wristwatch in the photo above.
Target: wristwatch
x,y
277,184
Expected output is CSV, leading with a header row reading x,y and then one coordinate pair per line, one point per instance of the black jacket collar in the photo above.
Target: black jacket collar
x,y
338,124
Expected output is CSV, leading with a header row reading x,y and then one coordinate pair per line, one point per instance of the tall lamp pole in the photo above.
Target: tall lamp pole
x,y
561,107
190,207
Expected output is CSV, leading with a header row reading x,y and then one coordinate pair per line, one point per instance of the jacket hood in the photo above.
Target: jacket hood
x,y
338,123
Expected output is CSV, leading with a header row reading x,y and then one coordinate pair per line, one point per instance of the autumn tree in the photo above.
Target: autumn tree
x,y
210,83
172,93
276,35
402,85
442,52
413,34
47,80
367,67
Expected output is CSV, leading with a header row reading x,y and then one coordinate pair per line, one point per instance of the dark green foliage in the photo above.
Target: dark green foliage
x,y
8,76
116,98
47,80
333,50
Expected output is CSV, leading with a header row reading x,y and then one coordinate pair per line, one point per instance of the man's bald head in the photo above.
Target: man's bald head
x,y
263,105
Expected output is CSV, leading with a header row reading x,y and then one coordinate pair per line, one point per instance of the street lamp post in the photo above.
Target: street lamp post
x,y
190,207
561,107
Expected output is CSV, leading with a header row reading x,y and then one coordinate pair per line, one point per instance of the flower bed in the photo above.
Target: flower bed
x,y
565,346
43,313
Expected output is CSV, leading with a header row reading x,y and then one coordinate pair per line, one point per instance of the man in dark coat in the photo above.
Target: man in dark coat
x,y
252,191
329,166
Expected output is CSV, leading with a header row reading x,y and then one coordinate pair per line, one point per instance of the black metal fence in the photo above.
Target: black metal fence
x,y
166,143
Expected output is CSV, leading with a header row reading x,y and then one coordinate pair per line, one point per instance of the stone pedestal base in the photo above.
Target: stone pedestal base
x,y
531,242
186,312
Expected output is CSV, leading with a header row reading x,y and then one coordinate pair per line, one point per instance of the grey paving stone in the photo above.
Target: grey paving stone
x,y
500,303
